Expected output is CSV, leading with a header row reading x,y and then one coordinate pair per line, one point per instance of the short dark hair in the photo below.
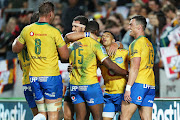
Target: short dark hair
x,y
110,33
169,7
45,8
140,20
92,26
34,17
156,2
83,20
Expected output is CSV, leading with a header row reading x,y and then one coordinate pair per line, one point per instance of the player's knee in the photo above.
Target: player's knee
x,y
39,117
97,117
123,117
53,107
146,118
68,117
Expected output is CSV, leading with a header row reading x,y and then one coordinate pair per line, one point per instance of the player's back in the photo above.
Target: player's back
x,y
42,41
84,61
142,47
115,84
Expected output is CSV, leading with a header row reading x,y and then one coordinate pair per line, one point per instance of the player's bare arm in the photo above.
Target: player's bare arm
x,y
63,52
114,67
74,36
17,46
133,73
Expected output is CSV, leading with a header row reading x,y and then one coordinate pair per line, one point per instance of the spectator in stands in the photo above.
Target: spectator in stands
x,y
154,5
60,26
124,29
69,13
144,12
101,23
11,32
138,6
170,12
159,39
113,27
57,19
132,11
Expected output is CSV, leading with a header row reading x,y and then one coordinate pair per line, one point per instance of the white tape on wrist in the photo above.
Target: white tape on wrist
x,y
128,88
87,34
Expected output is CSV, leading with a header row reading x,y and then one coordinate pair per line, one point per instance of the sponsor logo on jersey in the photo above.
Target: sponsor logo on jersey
x,y
31,34
134,52
41,34
103,49
119,60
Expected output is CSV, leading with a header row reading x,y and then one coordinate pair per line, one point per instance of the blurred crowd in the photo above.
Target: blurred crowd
x,y
163,16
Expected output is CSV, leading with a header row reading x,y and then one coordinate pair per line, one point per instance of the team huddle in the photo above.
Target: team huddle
x,y
38,47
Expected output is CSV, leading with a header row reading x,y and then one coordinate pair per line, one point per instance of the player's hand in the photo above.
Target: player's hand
x,y
112,50
69,68
76,45
127,97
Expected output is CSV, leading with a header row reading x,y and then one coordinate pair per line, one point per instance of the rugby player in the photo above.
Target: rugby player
x,y
78,25
114,85
24,64
84,85
140,88
43,44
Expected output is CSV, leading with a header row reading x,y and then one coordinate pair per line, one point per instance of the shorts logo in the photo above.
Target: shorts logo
x,y
90,101
74,88
139,98
50,94
73,98
31,34
150,101
33,79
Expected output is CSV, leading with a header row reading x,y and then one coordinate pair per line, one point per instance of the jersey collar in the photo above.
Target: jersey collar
x,y
140,37
41,23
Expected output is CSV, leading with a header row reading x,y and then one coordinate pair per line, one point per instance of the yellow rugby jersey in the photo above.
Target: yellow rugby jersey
x,y
42,41
84,61
142,47
99,39
115,84
25,62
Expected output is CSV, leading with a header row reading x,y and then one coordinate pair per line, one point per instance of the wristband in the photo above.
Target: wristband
x,y
87,34
128,88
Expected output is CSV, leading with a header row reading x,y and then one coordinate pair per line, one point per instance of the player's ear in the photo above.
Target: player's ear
x,y
140,27
113,40
83,29
51,14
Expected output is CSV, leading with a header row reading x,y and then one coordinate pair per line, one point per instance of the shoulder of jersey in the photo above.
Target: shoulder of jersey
x,y
123,50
